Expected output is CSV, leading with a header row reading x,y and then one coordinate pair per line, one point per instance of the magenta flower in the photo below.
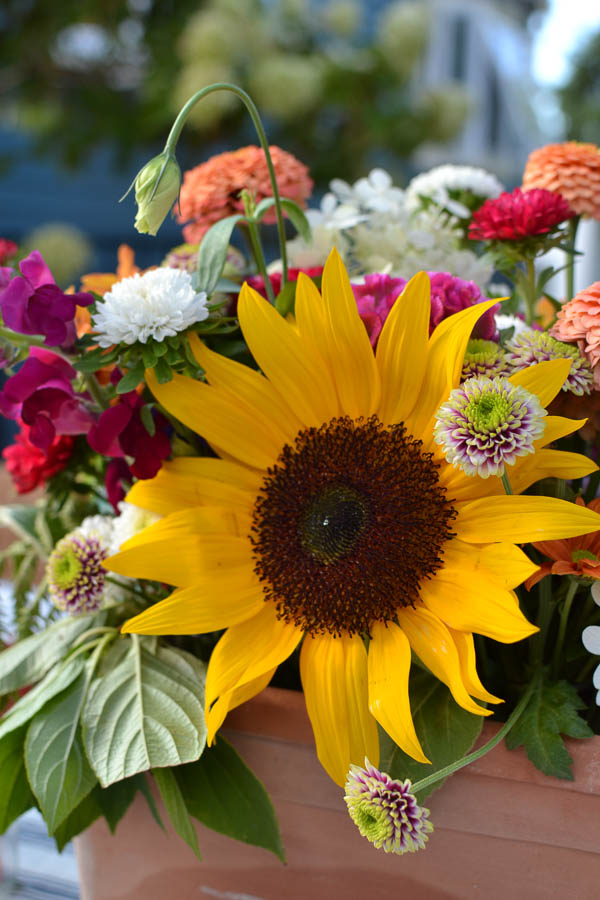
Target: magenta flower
x,y
32,303
42,395
375,299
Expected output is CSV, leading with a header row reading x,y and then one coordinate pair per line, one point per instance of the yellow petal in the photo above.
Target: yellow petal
x,y
312,323
185,522
465,646
334,680
433,644
300,378
473,604
544,379
199,609
350,355
550,464
231,699
504,563
389,668
519,520
402,350
214,415
556,427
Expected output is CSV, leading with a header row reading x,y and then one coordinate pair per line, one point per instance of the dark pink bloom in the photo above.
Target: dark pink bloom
x,y
258,283
7,249
117,474
32,303
519,215
374,299
42,395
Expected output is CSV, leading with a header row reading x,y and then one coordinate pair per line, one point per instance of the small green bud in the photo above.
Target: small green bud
x,y
156,191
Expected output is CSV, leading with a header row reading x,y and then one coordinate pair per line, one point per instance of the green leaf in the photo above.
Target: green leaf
x,y
148,419
148,355
57,679
144,714
162,370
212,254
15,794
59,773
77,821
130,381
94,360
145,790
176,808
551,712
285,300
446,731
115,800
27,661
222,793
298,219
21,521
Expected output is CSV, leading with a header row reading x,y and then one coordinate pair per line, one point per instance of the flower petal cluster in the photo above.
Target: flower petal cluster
x,y
211,191
590,639
385,811
445,184
158,304
578,321
519,215
330,515
483,358
76,577
41,394
487,423
571,169
374,299
578,556
28,466
32,303
7,250
532,346
257,282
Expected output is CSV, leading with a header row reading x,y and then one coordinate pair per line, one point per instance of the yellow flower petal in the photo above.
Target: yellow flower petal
x,y
519,520
504,563
556,427
334,679
544,379
550,464
311,321
389,667
185,523
402,350
231,699
433,644
465,646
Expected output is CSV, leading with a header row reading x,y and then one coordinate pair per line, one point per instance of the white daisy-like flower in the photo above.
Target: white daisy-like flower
x,y
157,304
590,639
131,520
441,180
375,193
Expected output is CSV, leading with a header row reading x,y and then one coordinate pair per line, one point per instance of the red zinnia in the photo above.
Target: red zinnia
x,y
519,215
29,466
7,250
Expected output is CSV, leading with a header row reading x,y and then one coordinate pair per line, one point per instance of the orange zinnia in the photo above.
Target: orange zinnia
x,y
572,556
570,169
101,282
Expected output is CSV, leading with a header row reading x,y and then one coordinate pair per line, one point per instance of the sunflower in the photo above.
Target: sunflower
x,y
332,520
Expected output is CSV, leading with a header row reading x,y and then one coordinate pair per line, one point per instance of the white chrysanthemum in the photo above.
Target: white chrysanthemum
x,y
591,641
157,304
375,193
439,181
131,520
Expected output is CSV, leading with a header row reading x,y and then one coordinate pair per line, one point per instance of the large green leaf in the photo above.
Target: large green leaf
x,y
58,770
551,712
144,714
115,800
222,793
57,679
446,731
15,793
212,254
176,808
21,520
77,821
27,661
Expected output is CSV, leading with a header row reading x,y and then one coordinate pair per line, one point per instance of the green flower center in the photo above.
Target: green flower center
x,y
488,412
372,821
333,522
66,568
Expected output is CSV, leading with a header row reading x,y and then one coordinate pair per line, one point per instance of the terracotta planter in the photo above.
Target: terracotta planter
x,y
501,830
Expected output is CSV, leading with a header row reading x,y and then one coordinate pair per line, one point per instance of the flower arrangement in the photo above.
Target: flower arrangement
x,y
359,478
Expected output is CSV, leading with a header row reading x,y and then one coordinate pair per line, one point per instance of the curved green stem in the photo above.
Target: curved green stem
x,y
570,253
477,754
562,628
506,483
530,296
254,115
259,258
25,340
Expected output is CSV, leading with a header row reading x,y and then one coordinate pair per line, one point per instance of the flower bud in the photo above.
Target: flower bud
x,y
156,190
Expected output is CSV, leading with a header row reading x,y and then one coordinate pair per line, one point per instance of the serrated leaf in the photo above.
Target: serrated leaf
x,y
57,679
130,381
446,731
27,661
77,821
212,254
15,794
58,771
144,714
550,713
176,808
225,795
115,800
298,219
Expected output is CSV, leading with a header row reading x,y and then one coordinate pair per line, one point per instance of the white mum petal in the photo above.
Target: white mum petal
x,y
591,640
596,592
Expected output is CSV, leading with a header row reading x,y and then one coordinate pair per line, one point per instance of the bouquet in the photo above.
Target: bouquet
x,y
368,477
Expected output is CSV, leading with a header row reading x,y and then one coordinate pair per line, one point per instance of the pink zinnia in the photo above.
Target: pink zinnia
x,y
519,215
578,321
258,283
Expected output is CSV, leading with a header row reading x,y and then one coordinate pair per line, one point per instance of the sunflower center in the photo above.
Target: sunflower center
x,y
347,525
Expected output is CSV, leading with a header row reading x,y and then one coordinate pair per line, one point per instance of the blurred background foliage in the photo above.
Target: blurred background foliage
x,y
331,86
580,97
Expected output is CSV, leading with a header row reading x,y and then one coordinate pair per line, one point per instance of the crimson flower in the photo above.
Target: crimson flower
x,y
7,250
29,466
258,283
519,215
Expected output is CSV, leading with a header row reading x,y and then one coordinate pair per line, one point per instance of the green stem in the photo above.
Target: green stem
x,y
506,483
562,628
530,296
259,258
477,754
24,340
96,391
546,608
570,253
254,115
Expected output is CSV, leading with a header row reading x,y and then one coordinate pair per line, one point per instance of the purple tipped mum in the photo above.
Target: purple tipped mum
x,y
532,347
486,423
483,358
75,573
385,811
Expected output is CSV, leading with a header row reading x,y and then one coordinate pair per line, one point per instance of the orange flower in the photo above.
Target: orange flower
x,y
101,282
210,191
570,169
578,321
573,556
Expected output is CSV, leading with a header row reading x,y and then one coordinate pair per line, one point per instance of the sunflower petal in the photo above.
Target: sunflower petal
x,y
544,379
556,427
402,350
550,464
504,563
433,644
465,646
389,668
231,699
518,519
186,522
